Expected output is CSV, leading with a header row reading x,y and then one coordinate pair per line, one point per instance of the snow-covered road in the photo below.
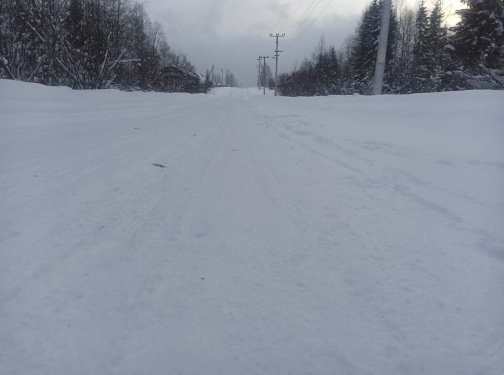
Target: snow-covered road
x,y
232,233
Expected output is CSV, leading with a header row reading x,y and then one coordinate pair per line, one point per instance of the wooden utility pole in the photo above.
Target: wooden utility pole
x,y
276,58
264,72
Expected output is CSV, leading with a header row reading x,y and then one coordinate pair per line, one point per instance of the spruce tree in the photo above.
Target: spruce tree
x,y
334,69
479,36
436,41
421,73
366,48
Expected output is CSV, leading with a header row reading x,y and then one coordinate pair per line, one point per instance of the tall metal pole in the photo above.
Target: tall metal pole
x,y
264,72
381,57
276,58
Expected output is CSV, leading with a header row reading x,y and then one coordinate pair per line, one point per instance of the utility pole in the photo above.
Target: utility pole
x,y
382,48
264,72
276,58
222,77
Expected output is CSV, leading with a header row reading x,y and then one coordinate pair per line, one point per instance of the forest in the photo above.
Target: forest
x,y
99,44
423,53
89,44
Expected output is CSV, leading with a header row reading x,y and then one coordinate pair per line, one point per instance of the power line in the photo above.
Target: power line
x,y
294,29
287,44
295,33
299,35
292,15
286,24
283,12
265,46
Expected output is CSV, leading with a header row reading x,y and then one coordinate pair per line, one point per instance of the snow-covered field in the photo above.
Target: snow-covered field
x,y
282,236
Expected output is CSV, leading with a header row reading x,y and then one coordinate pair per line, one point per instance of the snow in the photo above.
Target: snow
x,y
329,235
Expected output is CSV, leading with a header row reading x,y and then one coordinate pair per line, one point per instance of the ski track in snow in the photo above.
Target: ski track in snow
x,y
337,235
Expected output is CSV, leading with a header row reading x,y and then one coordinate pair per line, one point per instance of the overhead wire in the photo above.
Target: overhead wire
x,y
281,16
302,22
286,24
299,21
278,21
270,41
266,44
293,34
308,27
307,17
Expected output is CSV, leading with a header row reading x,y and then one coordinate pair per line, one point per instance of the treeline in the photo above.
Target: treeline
x,y
423,54
213,79
87,44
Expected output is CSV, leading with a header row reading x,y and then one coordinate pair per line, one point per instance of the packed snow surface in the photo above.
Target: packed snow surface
x,y
236,234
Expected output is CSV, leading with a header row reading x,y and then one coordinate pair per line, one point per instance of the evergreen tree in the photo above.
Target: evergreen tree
x,y
436,41
421,72
366,48
479,36
421,55
334,72
326,69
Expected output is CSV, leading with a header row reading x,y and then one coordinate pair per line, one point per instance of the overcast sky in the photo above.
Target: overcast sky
x,y
231,34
